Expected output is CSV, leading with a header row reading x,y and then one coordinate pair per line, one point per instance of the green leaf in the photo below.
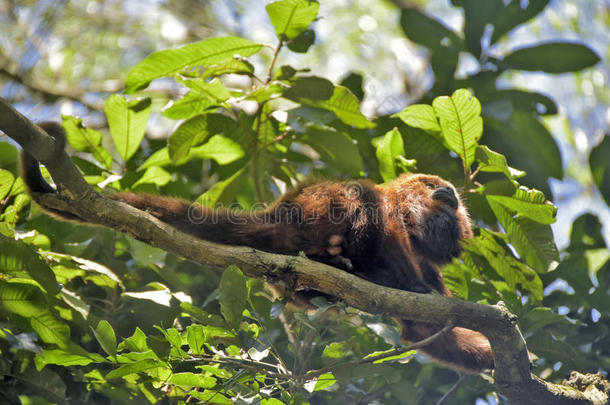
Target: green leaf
x,y
192,104
420,116
211,397
533,241
336,148
512,15
192,380
202,97
16,256
291,17
303,41
220,148
195,336
214,89
6,182
541,159
525,202
154,175
271,401
233,295
490,161
207,52
461,123
336,350
106,337
324,381
388,150
514,273
552,57
422,29
345,106
46,382
312,88
27,301
159,158
233,66
136,342
600,167
127,121
136,367
495,102
86,140
220,189
66,359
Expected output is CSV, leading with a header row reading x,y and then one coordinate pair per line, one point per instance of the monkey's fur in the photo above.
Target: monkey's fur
x,y
396,235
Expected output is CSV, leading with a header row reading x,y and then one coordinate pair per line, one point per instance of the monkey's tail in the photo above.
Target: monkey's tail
x,y
32,177
462,349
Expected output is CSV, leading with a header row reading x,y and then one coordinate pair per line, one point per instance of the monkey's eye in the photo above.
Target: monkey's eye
x,y
431,186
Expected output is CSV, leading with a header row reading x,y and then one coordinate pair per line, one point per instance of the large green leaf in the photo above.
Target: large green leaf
x,y
16,256
512,15
388,149
501,15
207,52
192,380
127,121
527,203
222,149
337,149
552,57
495,102
490,161
461,123
27,301
541,159
504,264
599,160
192,104
420,116
222,188
233,66
233,295
154,175
291,17
106,337
427,31
6,183
533,241
345,106
86,140
66,359
136,367
313,88
478,14
189,133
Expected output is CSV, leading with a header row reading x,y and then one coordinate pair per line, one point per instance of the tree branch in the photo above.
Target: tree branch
x,y
512,368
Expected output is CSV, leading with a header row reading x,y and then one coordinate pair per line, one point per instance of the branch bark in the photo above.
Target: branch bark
x,y
512,374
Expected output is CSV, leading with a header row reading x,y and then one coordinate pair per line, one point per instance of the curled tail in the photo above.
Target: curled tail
x,y
32,177
462,349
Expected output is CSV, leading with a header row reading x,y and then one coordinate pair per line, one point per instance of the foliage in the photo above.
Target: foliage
x,y
90,316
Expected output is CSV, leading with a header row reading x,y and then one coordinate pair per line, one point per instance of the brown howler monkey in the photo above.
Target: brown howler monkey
x,y
396,235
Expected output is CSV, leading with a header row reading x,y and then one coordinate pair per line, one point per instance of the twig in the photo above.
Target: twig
x,y
372,359
451,390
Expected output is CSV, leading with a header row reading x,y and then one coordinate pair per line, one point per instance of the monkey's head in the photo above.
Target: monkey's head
x,y
434,214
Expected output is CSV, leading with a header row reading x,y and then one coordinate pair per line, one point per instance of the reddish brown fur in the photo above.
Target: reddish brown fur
x,y
396,235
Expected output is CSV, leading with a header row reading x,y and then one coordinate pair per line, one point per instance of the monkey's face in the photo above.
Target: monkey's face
x,y
428,187
434,215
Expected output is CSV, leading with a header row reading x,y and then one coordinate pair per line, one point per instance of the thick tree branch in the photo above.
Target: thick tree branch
x,y
512,373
